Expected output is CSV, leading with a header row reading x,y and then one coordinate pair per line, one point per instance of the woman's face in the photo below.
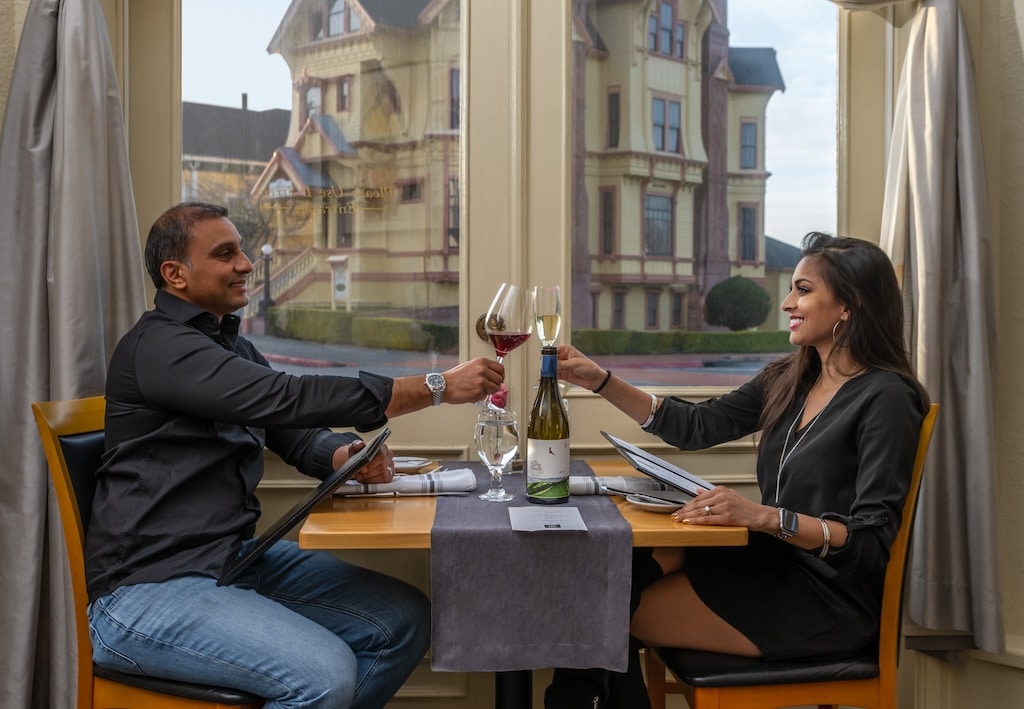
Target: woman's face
x,y
813,310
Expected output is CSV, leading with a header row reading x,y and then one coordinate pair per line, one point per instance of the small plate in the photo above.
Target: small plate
x,y
651,506
410,464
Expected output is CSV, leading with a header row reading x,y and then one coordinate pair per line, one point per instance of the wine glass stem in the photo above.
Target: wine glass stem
x,y
496,486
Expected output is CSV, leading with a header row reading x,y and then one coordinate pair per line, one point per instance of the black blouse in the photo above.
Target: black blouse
x,y
852,464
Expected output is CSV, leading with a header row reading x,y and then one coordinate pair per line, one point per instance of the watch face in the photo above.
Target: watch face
x,y
435,381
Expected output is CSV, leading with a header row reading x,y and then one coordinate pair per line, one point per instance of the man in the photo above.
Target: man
x,y
190,407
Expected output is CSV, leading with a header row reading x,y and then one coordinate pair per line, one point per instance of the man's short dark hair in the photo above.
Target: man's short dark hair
x,y
169,235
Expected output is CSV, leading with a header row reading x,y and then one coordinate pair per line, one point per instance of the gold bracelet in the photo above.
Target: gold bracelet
x,y
827,534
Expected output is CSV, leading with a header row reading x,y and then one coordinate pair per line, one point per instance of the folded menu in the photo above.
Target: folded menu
x,y
597,485
461,480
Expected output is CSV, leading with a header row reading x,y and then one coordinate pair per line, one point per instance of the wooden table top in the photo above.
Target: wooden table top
x,y
405,523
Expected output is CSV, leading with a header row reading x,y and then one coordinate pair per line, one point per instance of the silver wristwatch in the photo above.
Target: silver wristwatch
x,y
435,382
789,524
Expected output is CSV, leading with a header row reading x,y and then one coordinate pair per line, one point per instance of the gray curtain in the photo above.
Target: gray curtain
x,y
935,226
73,283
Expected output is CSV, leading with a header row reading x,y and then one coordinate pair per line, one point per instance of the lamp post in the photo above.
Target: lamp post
x,y
265,300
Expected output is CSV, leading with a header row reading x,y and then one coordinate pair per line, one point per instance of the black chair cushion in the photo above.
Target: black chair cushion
x,y
187,690
83,452
712,669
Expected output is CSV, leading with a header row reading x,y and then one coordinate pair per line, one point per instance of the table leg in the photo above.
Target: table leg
x,y
513,689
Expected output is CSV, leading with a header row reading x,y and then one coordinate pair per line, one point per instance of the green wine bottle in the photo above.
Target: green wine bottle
x,y
547,438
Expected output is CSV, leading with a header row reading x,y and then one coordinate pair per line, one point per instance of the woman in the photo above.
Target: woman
x,y
840,419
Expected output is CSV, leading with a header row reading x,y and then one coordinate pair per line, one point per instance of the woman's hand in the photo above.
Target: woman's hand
x,y
723,505
576,368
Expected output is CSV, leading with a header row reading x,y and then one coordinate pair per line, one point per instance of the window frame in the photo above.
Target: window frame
x,y
152,111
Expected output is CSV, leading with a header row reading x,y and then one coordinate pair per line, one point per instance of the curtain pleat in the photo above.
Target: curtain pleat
x,y
73,279
935,227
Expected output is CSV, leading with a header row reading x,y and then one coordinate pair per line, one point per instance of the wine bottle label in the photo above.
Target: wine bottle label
x,y
547,470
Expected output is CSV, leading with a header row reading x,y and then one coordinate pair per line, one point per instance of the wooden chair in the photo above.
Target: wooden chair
x,y
711,680
72,435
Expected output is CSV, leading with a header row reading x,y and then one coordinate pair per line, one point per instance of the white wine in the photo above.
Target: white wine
x,y
548,327
547,438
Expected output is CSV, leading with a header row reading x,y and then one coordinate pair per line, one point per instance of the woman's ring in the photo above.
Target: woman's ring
x,y
390,471
707,510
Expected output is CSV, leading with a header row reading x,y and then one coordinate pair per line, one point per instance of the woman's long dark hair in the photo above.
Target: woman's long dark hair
x,y
861,277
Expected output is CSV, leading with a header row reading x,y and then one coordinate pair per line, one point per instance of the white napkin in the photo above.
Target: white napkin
x,y
587,485
461,480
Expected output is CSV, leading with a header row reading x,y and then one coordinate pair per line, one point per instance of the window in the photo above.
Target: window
x,y
748,233
346,222
454,98
372,203
665,34
607,221
344,93
618,310
658,123
410,191
657,225
651,314
676,309
341,19
748,145
677,225
311,101
613,118
665,13
666,124
336,18
674,126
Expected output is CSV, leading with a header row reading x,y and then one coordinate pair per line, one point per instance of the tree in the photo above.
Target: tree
x,y
737,303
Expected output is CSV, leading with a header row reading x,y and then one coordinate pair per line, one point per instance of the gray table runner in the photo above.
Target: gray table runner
x,y
505,600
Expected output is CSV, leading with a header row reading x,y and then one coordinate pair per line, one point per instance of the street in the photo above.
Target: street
x,y
302,357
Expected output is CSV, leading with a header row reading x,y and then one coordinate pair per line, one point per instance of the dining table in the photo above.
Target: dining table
x,y
405,522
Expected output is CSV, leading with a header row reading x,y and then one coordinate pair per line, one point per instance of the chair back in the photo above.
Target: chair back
x,y
72,436
895,572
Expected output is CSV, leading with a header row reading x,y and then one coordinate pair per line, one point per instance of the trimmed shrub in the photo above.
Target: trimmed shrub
x,y
737,303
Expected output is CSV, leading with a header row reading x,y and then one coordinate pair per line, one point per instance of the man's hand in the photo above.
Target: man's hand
x,y
473,380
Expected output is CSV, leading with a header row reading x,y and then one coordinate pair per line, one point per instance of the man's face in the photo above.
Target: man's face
x,y
215,276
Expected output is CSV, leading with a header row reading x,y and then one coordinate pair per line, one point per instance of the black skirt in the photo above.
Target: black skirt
x,y
775,598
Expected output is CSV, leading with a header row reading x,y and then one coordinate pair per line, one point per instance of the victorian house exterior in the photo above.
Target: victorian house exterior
x,y
668,159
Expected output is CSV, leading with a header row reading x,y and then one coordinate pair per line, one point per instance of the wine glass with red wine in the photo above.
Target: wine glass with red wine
x,y
509,322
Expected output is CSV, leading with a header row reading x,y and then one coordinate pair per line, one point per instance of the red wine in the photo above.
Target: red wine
x,y
505,342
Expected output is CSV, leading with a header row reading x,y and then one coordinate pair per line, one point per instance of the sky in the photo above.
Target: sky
x,y
225,56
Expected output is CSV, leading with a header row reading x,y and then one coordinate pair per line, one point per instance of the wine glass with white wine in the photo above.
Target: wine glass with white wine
x,y
547,313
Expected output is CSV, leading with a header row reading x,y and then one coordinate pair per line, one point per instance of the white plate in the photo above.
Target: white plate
x,y
409,464
662,507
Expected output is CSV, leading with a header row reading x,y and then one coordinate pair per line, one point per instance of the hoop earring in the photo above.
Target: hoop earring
x,y
835,327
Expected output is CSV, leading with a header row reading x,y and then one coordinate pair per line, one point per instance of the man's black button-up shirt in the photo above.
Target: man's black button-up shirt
x,y
190,407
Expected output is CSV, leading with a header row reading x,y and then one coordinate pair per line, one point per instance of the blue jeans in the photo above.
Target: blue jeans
x,y
301,628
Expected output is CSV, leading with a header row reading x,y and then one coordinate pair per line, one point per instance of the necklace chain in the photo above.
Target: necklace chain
x,y
785,456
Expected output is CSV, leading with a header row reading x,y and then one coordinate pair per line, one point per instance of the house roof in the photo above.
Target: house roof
x,y
404,14
780,256
756,67
330,129
232,133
